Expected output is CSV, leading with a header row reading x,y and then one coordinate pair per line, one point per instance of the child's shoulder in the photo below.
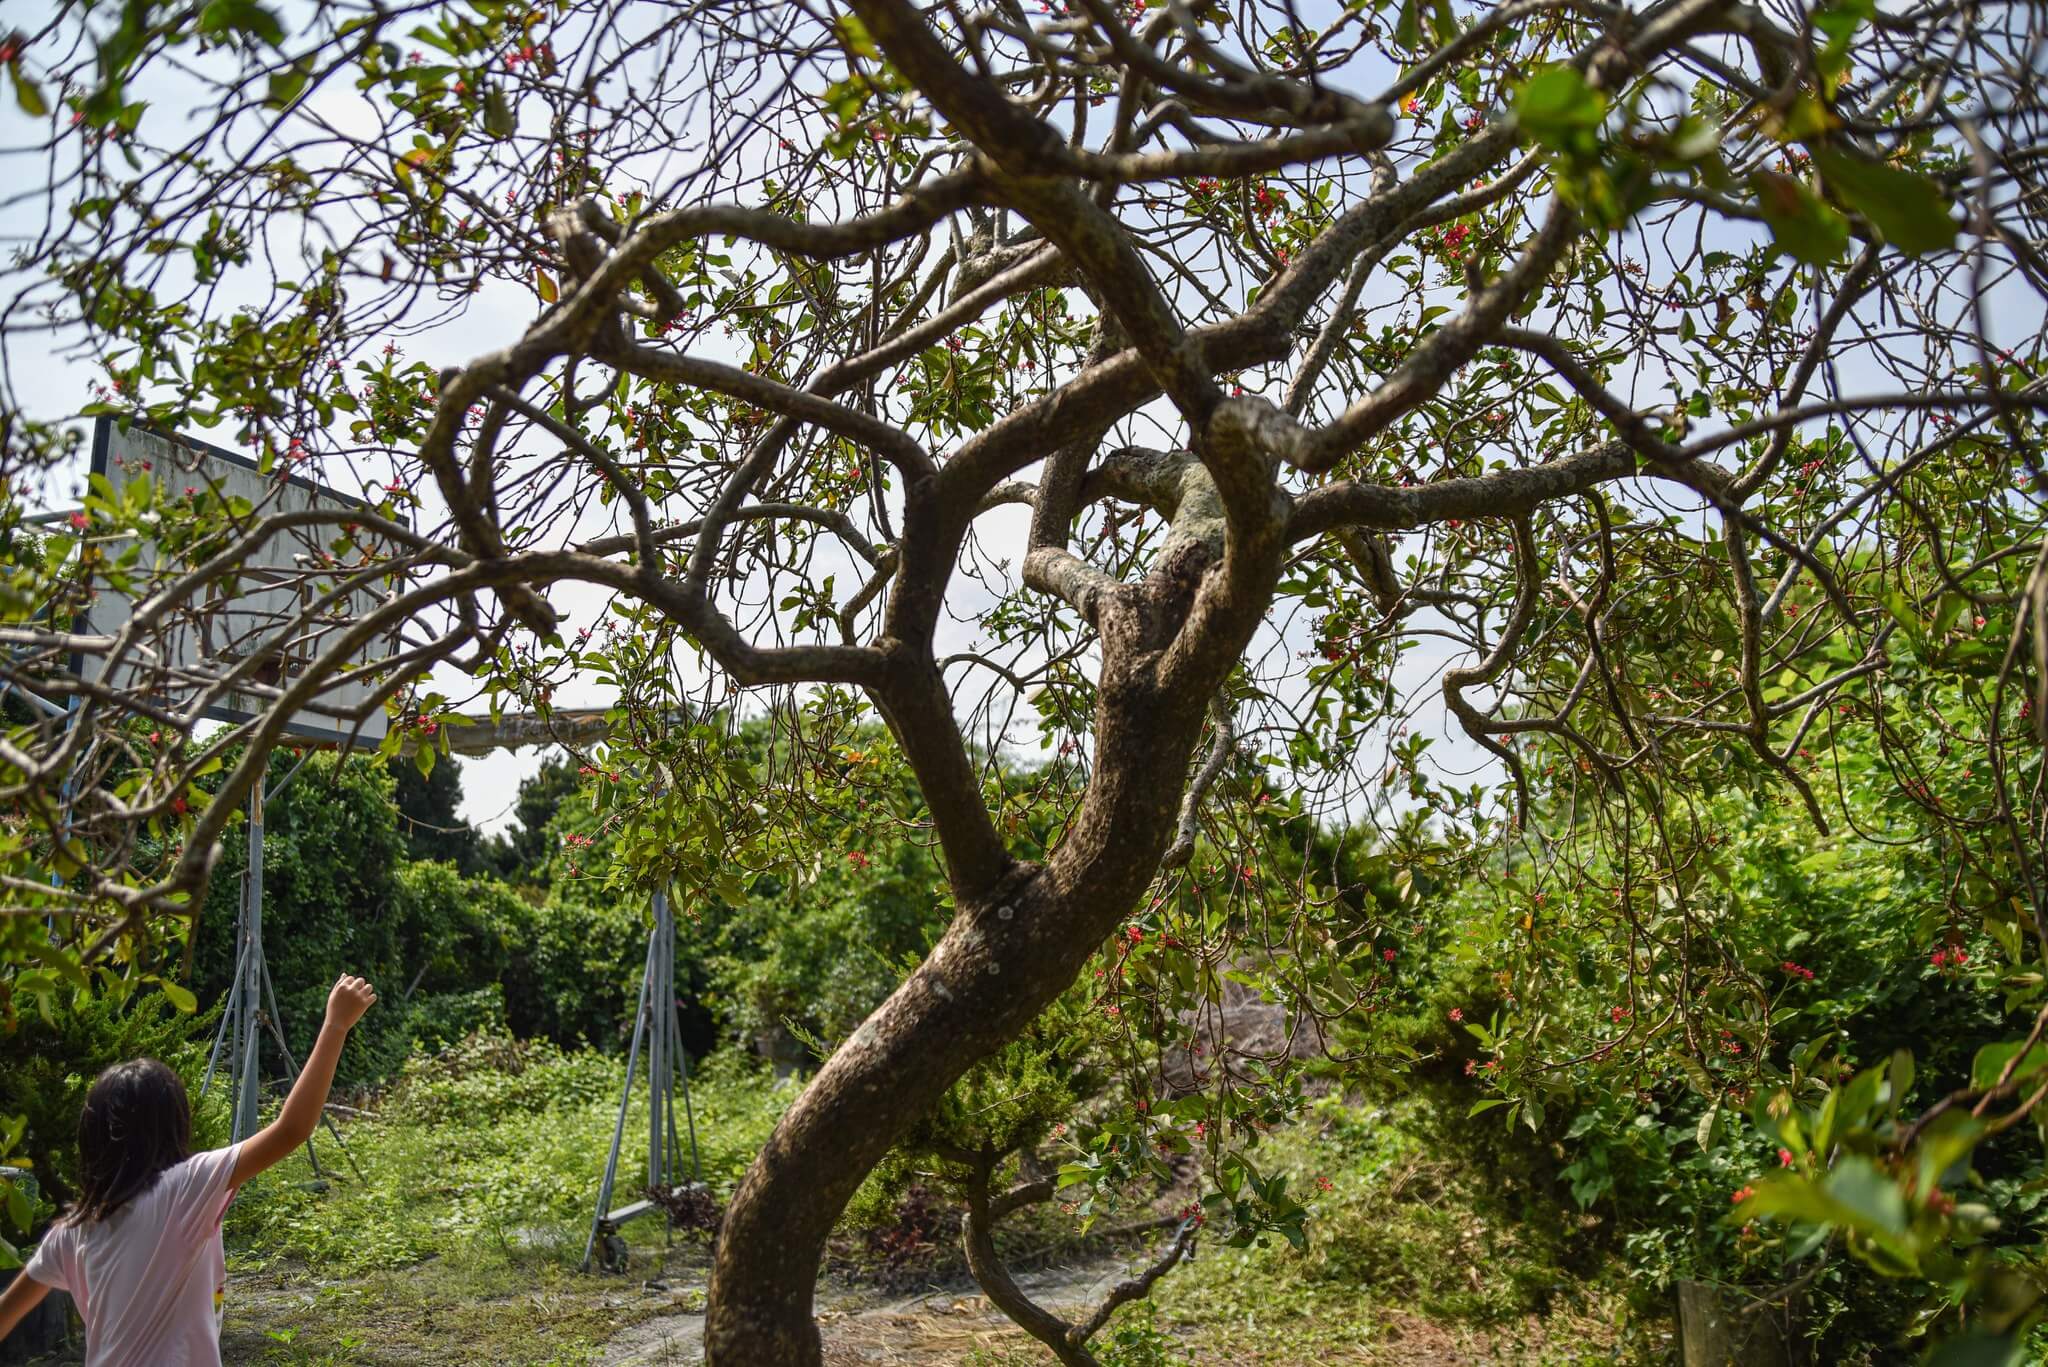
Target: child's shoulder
x,y
207,1170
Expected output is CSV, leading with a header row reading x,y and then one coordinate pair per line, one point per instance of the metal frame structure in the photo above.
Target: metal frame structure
x,y
657,1029
245,1017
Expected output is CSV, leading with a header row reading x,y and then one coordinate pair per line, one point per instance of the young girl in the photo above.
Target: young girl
x,y
139,1250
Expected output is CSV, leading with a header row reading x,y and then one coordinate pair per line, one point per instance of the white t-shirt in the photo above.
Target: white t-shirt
x,y
150,1280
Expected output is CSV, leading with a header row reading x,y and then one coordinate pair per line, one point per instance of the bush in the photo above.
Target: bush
x,y
52,1061
1821,967
485,1078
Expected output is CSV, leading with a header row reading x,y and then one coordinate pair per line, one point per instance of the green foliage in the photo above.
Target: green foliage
x,y
1424,1216
1133,1339
1726,1133
449,952
51,1061
430,818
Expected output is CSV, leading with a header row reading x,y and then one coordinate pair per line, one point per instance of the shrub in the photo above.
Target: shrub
x,y
52,1060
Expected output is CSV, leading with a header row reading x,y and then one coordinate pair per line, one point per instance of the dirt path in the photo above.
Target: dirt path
x,y
934,1327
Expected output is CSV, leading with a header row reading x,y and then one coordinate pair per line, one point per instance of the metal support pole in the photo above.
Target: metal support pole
x,y
657,1027
658,1066
248,1078
683,1072
611,1162
227,1014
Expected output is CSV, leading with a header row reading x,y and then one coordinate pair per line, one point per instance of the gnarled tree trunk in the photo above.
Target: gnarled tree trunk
x,y
1013,947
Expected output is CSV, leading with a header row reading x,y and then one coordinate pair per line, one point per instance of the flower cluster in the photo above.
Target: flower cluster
x,y
1792,970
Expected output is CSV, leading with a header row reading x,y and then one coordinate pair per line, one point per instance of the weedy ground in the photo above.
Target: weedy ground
x,y
459,1243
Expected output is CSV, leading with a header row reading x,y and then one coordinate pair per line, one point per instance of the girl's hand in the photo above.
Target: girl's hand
x,y
351,997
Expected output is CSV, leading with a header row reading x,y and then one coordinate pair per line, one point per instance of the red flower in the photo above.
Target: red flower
x,y
860,859
79,521
1322,1183
1136,935
1741,1194
1784,1158
1387,954
1457,1013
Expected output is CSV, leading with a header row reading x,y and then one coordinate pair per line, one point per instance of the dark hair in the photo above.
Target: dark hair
x,y
136,1123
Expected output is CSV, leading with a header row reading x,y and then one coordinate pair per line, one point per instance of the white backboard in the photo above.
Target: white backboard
x,y
271,593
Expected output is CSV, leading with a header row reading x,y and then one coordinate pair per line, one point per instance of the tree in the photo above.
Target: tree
x,y
430,816
1633,379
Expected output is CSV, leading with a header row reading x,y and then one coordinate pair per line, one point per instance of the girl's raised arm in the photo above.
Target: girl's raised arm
x,y
294,1125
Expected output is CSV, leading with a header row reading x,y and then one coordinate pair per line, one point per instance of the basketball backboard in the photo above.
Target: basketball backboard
x,y
262,613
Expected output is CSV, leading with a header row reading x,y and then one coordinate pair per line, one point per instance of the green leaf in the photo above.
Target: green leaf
x,y
286,86
498,120
241,16
28,95
1445,22
1408,25
1705,1133
1789,1197
1556,103
178,995
1867,1195
1901,1075
1909,209
19,1212
1992,1058
1802,226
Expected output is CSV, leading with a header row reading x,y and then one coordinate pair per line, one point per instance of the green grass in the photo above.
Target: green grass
x,y
489,1146
460,1241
